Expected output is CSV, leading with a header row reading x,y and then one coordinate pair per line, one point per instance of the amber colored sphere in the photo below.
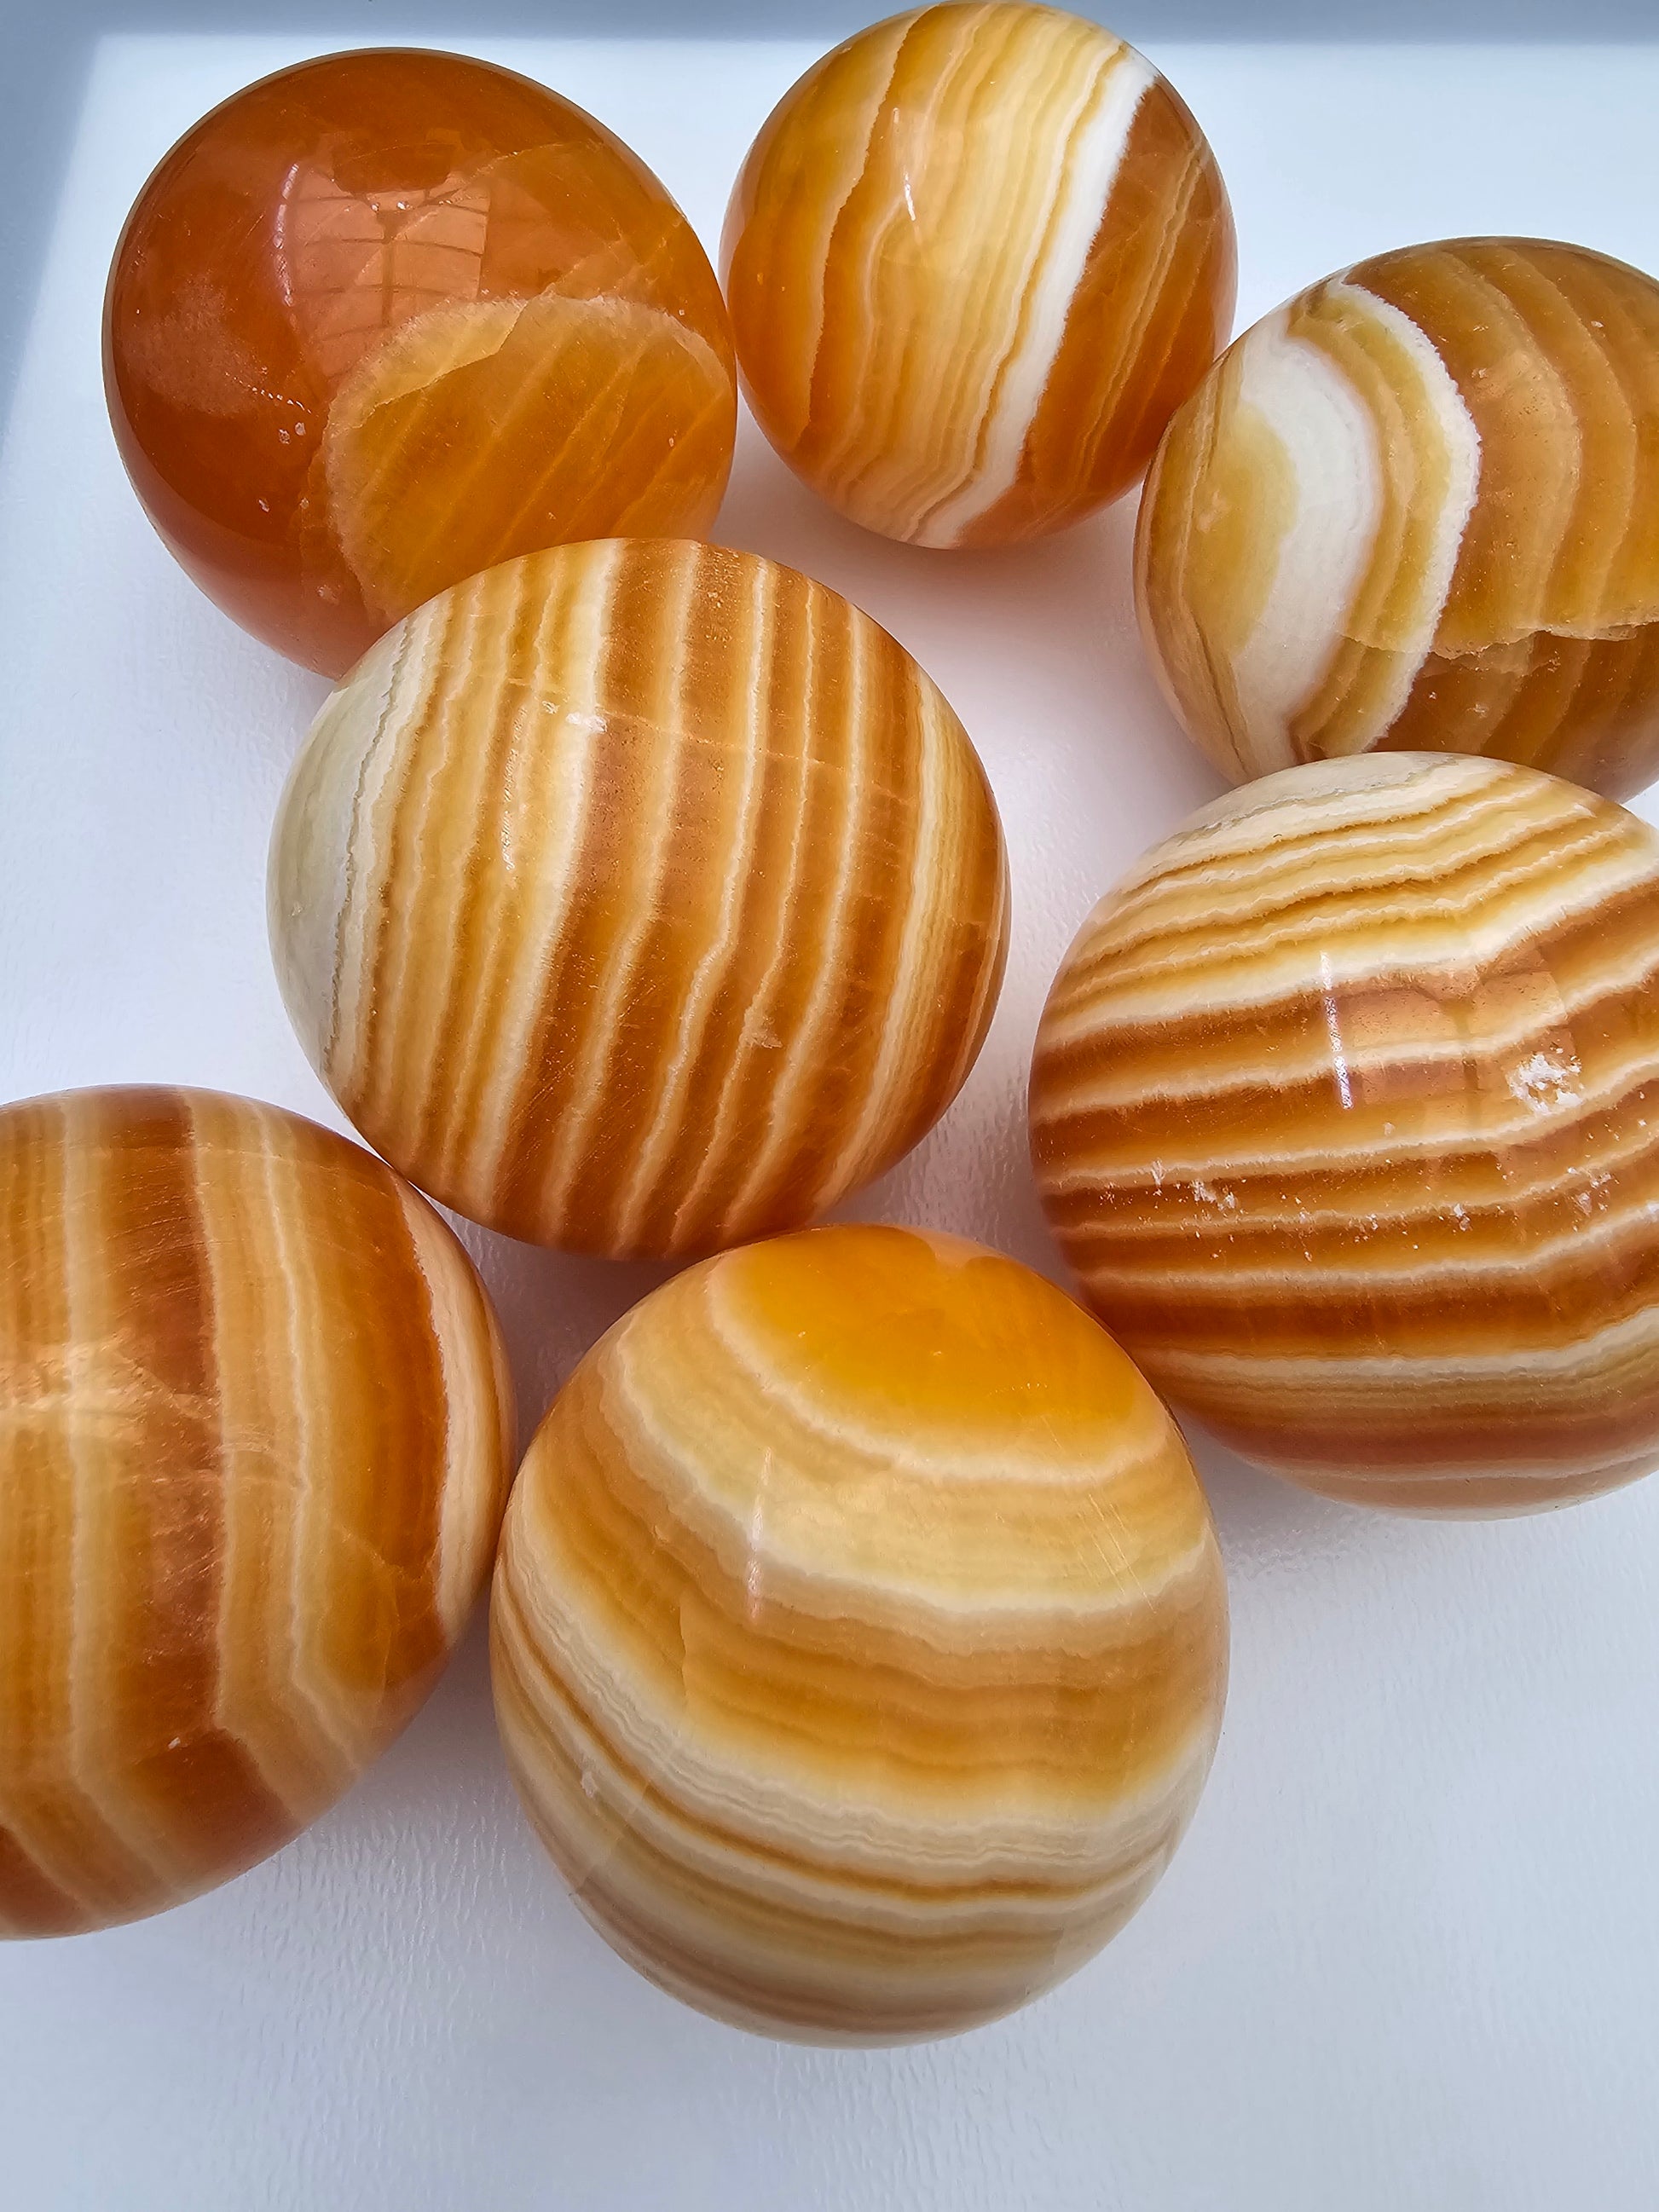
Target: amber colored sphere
x,y
256,1432
1418,509
975,260
640,897
1345,1112
387,318
860,1636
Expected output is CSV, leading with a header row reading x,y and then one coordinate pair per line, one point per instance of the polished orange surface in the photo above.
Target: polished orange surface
x,y
1419,507
255,1437
975,260
1345,1111
860,1636
388,316
640,897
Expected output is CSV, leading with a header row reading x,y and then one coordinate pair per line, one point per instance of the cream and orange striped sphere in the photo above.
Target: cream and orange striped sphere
x,y
256,1432
1419,507
858,1635
1345,1111
975,260
639,897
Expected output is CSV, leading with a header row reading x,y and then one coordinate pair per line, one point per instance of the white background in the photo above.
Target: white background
x,y
1407,1957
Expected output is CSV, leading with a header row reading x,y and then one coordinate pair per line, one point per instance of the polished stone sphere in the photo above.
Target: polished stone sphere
x,y
1418,508
860,1636
975,258
640,897
256,1432
1344,1111
385,318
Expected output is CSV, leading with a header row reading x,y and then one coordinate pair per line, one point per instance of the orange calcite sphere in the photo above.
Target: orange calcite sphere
x,y
859,1635
1345,1111
1418,508
256,1432
975,260
639,897
387,318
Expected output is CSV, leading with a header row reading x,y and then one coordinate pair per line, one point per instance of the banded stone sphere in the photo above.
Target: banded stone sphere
x,y
639,897
975,260
1418,508
858,1635
385,318
256,1432
1345,1112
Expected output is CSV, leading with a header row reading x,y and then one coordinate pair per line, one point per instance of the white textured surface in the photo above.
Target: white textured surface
x,y
1406,1957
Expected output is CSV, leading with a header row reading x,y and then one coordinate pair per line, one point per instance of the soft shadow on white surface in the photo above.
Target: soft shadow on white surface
x,y
1405,1957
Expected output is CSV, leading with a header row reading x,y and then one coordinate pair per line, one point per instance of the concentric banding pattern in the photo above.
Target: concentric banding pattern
x,y
1418,506
255,1437
1345,1111
640,897
858,1635
975,258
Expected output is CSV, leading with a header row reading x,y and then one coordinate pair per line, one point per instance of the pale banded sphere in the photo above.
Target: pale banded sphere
x,y
639,897
859,1635
975,258
256,1432
1345,1112
1419,507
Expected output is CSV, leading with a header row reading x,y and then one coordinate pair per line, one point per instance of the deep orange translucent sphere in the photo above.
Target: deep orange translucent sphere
x,y
388,318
